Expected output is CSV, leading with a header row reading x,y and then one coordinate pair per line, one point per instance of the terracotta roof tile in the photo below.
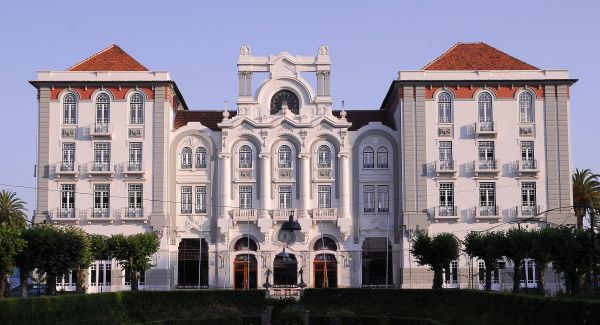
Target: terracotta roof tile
x,y
358,118
112,58
476,56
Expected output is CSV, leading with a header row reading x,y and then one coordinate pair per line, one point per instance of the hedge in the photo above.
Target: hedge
x,y
453,306
170,307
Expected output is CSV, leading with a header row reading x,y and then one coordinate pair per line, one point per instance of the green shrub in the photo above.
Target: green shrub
x,y
289,315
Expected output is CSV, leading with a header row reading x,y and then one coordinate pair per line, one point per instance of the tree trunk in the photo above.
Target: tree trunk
x,y
82,279
580,214
51,284
134,280
488,277
517,276
23,277
2,286
437,278
541,280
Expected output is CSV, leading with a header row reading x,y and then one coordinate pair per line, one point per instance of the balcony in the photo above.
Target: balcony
x,y
64,215
66,169
487,212
132,214
284,215
527,167
445,168
485,129
325,214
488,167
101,130
528,212
101,169
245,215
443,213
134,168
97,214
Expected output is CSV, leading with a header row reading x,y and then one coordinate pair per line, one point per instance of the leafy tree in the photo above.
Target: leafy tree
x,y
487,247
586,193
133,253
541,253
517,247
98,250
12,209
29,259
437,252
11,244
80,255
571,253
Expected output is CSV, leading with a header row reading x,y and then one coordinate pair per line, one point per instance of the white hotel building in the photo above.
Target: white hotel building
x,y
474,140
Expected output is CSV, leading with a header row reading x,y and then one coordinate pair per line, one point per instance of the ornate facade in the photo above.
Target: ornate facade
x,y
452,149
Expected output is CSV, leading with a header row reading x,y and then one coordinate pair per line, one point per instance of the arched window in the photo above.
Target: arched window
x,y
368,157
444,108
102,112
382,157
485,107
70,109
245,244
245,157
526,107
325,243
201,157
285,157
324,157
186,157
136,109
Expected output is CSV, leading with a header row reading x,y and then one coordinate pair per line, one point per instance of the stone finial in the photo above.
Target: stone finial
x,y
245,50
343,114
323,50
225,114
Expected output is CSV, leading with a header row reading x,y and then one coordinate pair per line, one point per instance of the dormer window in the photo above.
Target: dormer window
x,y
245,157
324,157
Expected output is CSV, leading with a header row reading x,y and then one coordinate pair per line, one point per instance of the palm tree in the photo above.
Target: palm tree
x,y
586,193
12,209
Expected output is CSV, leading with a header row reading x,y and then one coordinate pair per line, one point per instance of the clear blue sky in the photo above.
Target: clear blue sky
x,y
369,41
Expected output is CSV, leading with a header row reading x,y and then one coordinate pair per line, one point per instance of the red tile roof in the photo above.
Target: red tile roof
x,y
358,118
476,56
112,58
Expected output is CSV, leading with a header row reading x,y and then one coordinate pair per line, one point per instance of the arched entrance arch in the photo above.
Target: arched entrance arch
x,y
192,263
285,271
325,263
244,264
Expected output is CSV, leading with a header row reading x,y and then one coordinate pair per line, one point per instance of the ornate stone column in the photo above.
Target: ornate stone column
x,y
326,79
305,184
248,83
265,190
225,184
344,185
241,83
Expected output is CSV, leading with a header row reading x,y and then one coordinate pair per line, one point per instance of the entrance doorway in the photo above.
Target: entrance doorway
x,y
285,271
192,265
325,271
244,267
374,262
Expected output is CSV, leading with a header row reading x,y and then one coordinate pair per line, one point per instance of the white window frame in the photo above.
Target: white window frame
x,y
200,199
285,197
324,156
444,108
186,199
245,196
186,158
136,109
102,110
245,156
382,157
200,157
70,109
101,200
526,107
383,198
368,157
284,154
486,107
324,198
368,198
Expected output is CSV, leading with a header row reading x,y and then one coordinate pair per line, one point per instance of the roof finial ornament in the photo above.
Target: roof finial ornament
x,y
245,50
343,112
226,110
323,50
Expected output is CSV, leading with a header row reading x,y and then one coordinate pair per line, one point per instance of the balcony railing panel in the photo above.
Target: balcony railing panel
x,y
447,211
528,210
101,213
488,211
325,214
134,166
101,130
488,164
284,214
241,215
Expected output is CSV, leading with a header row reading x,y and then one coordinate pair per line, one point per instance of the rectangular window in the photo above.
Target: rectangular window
x,y
527,151
135,201
447,199
486,150
324,196
186,199
200,199
135,156
451,274
69,110
285,197
495,274
101,201
67,205
487,198
245,159
369,198
101,156
383,195
136,112
528,198
245,197
68,157
445,148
